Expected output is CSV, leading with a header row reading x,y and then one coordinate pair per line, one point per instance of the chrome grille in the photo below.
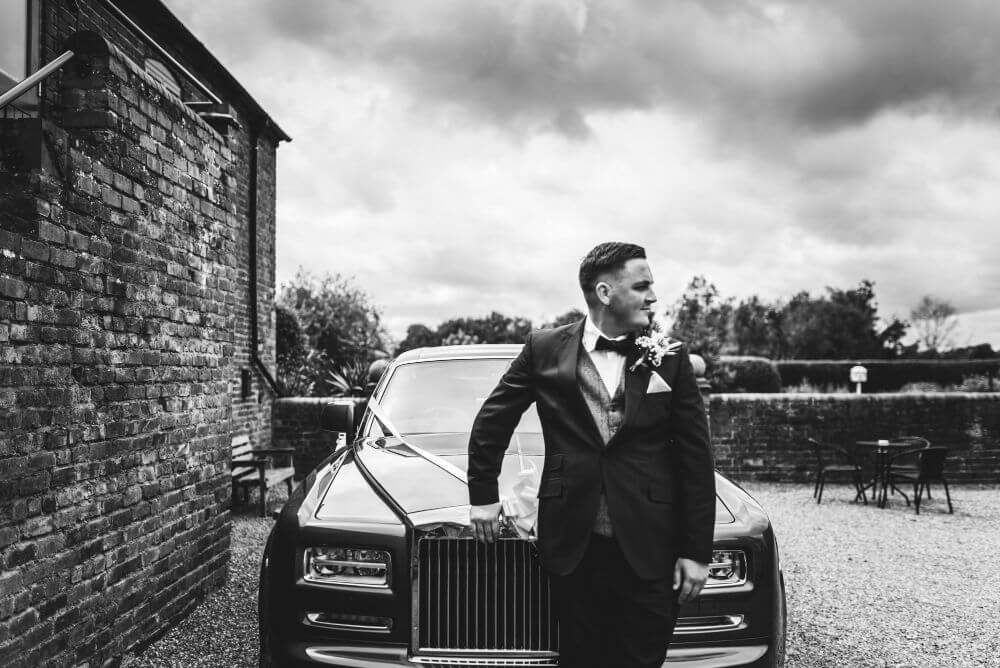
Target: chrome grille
x,y
474,597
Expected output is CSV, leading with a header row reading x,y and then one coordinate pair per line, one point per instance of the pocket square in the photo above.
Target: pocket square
x,y
657,384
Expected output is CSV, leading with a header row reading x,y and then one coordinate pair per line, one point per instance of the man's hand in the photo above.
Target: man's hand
x,y
486,526
689,578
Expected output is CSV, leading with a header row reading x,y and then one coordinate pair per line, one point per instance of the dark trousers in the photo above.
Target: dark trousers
x,y
608,616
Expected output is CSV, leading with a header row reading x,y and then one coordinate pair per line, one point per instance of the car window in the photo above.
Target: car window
x,y
443,396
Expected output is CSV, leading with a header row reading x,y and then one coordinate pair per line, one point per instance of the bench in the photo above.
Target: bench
x,y
252,467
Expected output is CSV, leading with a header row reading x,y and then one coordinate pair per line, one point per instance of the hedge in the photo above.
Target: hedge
x,y
746,374
884,375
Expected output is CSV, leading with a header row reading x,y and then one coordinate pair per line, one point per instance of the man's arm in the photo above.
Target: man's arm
x,y
696,467
494,425
491,432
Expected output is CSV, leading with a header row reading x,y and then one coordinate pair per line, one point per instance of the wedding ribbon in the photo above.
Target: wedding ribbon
x,y
521,508
440,462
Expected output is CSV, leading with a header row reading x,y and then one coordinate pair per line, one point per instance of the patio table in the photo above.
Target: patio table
x,y
882,449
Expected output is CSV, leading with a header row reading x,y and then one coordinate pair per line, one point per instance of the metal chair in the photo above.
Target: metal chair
x,y
930,467
905,463
831,459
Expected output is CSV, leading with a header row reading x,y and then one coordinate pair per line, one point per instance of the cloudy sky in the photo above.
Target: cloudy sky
x,y
461,156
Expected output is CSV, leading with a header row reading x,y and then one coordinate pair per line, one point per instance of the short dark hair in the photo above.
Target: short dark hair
x,y
610,256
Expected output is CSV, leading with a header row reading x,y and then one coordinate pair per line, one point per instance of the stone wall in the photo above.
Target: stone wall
x,y
124,326
763,436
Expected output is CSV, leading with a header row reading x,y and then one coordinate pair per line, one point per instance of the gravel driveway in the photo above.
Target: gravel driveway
x,y
866,587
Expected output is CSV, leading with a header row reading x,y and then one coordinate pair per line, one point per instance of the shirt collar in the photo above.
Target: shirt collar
x,y
591,333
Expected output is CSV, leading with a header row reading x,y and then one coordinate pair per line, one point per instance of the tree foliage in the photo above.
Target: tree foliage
x,y
418,336
337,317
570,316
842,324
701,319
494,328
934,321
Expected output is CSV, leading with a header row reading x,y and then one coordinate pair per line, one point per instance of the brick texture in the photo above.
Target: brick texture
x,y
296,424
124,325
763,436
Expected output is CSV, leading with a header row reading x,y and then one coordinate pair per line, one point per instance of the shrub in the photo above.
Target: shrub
x,y
746,374
884,375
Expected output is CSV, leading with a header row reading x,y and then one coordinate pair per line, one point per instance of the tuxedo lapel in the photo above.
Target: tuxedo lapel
x,y
568,357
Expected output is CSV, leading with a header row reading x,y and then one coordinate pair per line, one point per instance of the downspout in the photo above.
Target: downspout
x,y
255,359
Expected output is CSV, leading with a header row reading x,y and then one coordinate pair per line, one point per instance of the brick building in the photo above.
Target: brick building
x,y
137,227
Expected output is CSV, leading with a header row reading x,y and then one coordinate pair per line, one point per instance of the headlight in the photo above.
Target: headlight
x,y
347,566
728,568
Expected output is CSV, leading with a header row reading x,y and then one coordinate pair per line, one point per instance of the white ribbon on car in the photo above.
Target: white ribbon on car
x,y
520,505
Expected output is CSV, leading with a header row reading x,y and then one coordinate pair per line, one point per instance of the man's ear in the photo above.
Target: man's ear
x,y
603,292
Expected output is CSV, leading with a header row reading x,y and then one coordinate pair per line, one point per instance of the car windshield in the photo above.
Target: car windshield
x,y
443,396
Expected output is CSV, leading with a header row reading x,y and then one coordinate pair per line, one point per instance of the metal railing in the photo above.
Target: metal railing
x,y
33,80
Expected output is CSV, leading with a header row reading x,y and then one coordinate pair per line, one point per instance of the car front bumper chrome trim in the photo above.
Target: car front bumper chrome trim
x,y
352,656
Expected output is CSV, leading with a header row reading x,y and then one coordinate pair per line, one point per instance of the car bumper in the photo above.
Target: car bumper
x,y
357,656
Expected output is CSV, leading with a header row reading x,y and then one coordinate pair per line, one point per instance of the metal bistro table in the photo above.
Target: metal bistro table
x,y
883,449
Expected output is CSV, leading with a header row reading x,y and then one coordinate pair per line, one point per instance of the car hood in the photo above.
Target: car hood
x,y
422,489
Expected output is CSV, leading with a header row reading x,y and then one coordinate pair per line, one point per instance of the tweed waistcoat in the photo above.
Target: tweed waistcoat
x,y
608,412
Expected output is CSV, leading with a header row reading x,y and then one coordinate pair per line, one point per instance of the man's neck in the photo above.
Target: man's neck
x,y
608,326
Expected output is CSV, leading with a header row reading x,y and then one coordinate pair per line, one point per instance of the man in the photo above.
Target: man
x,y
627,496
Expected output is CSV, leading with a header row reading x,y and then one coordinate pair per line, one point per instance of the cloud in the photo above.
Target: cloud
x,y
532,64
460,157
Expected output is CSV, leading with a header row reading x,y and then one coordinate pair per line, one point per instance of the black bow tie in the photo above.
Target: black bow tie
x,y
620,346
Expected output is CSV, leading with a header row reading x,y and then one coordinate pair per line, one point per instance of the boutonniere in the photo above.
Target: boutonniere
x,y
653,345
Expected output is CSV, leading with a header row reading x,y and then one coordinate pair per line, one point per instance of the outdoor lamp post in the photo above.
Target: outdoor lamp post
x,y
859,375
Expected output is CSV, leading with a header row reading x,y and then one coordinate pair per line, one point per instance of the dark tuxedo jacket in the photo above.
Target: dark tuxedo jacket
x,y
657,470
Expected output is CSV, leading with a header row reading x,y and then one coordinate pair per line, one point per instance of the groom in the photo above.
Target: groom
x,y
627,496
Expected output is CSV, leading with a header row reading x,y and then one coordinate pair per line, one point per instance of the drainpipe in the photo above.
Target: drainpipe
x,y
255,359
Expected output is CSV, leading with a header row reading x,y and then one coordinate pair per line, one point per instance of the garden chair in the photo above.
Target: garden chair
x,y
929,467
832,460
905,463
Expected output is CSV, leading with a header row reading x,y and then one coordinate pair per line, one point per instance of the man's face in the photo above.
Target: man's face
x,y
629,296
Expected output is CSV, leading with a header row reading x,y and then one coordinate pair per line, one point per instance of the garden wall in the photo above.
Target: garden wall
x,y
763,436
296,425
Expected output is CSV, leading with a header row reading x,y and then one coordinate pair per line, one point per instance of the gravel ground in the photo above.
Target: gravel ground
x,y
866,587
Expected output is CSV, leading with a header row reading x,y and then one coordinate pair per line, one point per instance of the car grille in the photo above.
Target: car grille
x,y
483,598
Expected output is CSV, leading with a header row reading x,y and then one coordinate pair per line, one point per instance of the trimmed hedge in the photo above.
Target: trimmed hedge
x,y
884,375
744,373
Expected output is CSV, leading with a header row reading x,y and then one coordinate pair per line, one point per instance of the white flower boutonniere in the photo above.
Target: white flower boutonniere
x,y
653,345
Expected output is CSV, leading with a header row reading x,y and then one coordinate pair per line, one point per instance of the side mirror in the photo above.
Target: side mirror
x,y
338,417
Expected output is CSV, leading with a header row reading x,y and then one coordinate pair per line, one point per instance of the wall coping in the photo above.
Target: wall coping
x,y
740,397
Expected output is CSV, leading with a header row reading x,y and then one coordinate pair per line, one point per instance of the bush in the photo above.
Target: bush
x,y
884,375
746,374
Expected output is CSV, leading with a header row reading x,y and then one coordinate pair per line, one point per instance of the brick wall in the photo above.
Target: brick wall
x,y
296,425
763,436
124,325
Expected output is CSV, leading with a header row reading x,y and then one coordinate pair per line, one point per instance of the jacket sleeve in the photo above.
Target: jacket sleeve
x,y
494,425
695,463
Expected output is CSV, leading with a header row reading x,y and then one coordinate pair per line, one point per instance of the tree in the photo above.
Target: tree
x,y
934,321
701,319
494,328
570,316
296,370
844,324
337,317
418,336
756,328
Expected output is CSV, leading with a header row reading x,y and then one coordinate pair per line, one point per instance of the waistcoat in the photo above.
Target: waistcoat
x,y
608,412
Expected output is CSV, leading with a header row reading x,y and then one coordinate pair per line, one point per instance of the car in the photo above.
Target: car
x,y
371,562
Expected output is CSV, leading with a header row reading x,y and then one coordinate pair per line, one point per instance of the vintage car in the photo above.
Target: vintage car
x,y
371,561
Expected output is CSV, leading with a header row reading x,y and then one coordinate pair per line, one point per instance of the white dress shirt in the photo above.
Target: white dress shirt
x,y
609,363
